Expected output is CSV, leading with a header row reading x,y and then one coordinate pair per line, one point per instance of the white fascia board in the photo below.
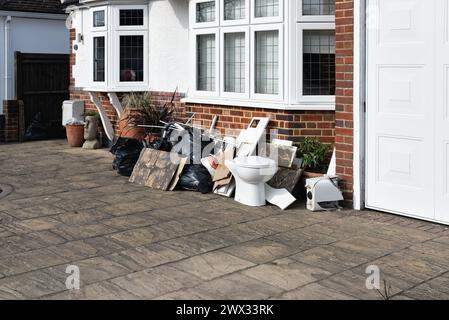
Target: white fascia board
x,y
87,2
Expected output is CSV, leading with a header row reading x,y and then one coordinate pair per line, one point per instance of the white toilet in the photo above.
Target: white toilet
x,y
250,174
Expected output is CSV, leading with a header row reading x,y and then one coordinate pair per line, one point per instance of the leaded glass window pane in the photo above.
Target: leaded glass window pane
x,y
206,62
234,62
267,62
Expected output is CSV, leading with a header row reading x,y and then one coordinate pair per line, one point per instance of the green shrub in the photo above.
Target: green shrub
x,y
314,154
140,111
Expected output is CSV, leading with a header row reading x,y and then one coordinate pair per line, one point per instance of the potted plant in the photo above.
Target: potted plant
x,y
138,110
75,133
315,155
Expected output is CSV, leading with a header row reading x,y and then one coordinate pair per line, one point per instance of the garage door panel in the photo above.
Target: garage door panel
x,y
446,19
401,108
442,119
401,22
446,170
401,90
399,163
446,92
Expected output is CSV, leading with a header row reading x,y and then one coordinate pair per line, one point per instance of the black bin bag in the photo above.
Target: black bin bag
x,y
37,130
195,177
127,152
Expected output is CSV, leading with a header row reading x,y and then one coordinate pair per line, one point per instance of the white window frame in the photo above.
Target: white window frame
x,y
112,32
225,23
223,32
116,17
311,18
211,24
99,84
267,27
290,58
278,19
195,34
300,97
106,18
129,85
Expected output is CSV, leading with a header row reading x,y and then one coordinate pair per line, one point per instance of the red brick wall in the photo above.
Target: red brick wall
x,y
291,125
12,112
344,126
2,128
328,126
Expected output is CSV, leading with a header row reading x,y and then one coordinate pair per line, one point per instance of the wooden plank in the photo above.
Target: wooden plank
x,y
156,169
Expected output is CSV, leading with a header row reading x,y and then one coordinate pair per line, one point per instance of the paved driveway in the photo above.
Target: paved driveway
x,y
68,208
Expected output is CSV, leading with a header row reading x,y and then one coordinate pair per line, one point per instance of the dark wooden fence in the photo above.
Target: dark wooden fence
x,y
42,83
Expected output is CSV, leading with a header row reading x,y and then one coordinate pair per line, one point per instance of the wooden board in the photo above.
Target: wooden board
x,y
178,174
155,169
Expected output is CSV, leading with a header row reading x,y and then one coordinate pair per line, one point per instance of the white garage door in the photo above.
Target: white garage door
x,y
407,160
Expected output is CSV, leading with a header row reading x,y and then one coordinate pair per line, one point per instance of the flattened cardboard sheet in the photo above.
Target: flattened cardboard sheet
x,y
155,169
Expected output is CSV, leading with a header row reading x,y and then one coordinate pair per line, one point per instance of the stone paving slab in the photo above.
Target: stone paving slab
x,y
68,207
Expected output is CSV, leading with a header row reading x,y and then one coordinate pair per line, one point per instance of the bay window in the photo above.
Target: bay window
x,y
206,63
319,62
272,53
266,8
267,62
227,63
99,18
234,9
131,58
99,59
234,62
315,52
131,17
119,37
235,57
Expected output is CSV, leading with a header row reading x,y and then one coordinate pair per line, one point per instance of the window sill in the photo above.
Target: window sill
x,y
117,89
261,104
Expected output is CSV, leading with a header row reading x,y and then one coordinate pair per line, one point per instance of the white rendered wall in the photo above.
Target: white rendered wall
x,y
39,36
169,45
30,35
80,71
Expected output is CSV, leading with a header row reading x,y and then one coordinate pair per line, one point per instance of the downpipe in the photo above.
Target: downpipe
x,y
6,61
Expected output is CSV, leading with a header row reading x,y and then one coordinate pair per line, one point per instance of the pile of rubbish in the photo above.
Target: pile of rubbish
x,y
186,157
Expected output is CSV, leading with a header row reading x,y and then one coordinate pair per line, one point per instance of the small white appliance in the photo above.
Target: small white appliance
x,y
250,174
72,109
323,193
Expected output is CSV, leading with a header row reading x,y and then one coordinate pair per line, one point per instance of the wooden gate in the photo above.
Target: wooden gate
x,y
42,83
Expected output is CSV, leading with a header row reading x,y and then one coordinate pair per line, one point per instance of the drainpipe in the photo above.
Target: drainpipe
x,y
7,77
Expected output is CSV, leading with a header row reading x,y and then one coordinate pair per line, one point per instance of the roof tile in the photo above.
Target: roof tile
x,y
45,6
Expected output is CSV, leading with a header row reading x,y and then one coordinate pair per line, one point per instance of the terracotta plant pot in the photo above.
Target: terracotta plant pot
x,y
75,135
310,175
129,130
151,137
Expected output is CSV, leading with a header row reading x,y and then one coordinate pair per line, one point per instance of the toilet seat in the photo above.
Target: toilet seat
x,y
254,162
